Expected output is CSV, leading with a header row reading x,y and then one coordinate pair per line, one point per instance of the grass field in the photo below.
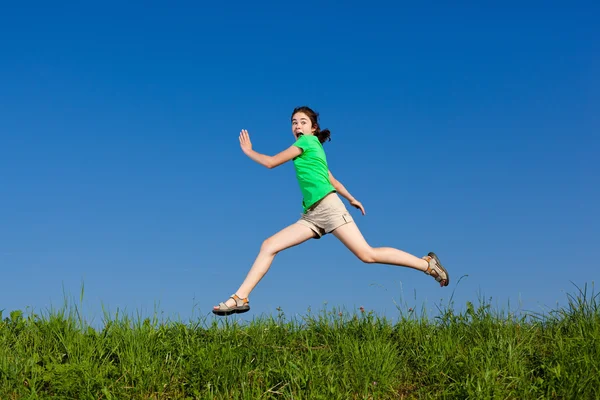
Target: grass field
x,y
478,353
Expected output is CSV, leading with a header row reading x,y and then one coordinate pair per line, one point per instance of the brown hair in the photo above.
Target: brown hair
x,y
323,135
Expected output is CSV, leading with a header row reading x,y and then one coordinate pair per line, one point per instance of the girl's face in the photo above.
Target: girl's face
x,y
301,125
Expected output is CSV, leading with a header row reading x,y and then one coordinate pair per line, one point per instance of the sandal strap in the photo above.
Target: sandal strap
x,y
435,269
239,300
429,269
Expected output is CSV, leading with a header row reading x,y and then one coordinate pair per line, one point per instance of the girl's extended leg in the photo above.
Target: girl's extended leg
x,y
352,238
290,236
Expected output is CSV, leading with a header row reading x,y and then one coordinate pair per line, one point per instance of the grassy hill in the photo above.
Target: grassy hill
x,y
477,354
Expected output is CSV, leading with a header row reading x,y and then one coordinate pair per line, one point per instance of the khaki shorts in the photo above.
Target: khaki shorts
x,y
326,215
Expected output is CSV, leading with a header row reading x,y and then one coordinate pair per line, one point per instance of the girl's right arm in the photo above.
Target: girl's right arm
x,y
268,161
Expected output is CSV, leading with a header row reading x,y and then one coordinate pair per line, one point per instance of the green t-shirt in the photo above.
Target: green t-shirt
x,y
312,171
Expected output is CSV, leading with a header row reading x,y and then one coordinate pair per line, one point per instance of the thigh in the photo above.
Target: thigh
x,y
352,238
289,236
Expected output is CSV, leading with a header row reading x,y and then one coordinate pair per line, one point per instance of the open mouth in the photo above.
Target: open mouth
x,y
298,134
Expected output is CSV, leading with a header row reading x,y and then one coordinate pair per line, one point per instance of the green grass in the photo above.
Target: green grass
x,y
475,354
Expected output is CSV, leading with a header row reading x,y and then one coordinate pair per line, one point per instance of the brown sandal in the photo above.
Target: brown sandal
x,y
435,266
241,306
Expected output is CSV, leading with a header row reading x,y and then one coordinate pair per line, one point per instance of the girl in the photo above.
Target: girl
x,y
323,212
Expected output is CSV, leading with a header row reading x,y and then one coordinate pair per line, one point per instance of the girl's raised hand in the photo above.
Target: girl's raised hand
x,y
358,204
245,142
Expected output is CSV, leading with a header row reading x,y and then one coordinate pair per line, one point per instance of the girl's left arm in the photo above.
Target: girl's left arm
x,y
268,161
341,189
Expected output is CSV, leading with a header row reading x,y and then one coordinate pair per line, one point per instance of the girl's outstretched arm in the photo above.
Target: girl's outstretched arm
x,y
341,189
268,161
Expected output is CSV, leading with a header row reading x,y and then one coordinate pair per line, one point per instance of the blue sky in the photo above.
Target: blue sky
x,y
470,131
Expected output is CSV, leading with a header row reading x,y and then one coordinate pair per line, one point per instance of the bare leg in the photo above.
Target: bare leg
x,y
290,236
352,238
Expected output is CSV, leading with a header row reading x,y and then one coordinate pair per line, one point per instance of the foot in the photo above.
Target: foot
x,y
436,269
233,305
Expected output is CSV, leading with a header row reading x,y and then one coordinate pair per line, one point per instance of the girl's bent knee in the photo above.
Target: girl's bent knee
x,y
367,256
267,247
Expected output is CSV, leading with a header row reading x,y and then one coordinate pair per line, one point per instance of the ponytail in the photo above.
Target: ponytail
x,y
323,135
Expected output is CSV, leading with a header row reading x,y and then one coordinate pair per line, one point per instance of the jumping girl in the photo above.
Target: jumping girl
x,y
323,212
